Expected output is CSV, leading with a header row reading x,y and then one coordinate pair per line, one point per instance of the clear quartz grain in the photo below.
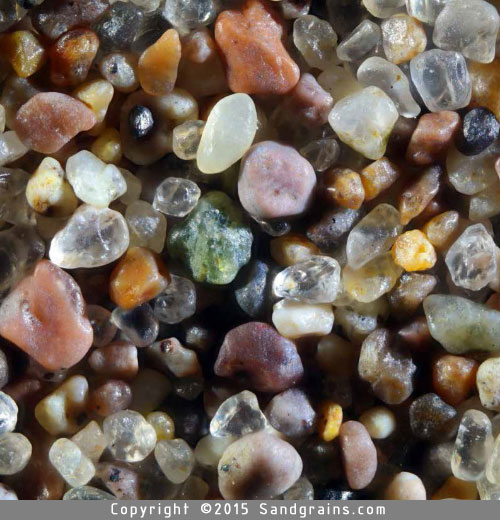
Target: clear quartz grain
x,y
316,40
473,174
189,14
104,330
130,437
134,187
470,27
425,10
11,148
473,446
87,493
186,139
485,204
209,450
442,79
383,8
120,69
149,6
14,207
237,416
358,319
93,181
91,441
315,280
392,80
15,453
364,121
373,279
72,464
339,81
177,302
274,228
176,459
389,370
139,325
360,42
292,9
322,153
373,235
92,237
176,197
13,183
6,493
147,226
472,260
8,413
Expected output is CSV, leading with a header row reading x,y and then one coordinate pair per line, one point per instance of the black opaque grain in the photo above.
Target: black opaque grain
x,y
480,128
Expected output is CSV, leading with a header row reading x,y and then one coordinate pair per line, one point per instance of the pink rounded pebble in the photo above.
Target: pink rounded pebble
x,y
268,361
275,181
258,466
49,120
309,101
45,316
358,454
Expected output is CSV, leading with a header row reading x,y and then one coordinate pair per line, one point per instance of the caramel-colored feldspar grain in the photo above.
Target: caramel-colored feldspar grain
x,y
158,64
344,187
442,229
24,52
139,277
454,378
378,176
